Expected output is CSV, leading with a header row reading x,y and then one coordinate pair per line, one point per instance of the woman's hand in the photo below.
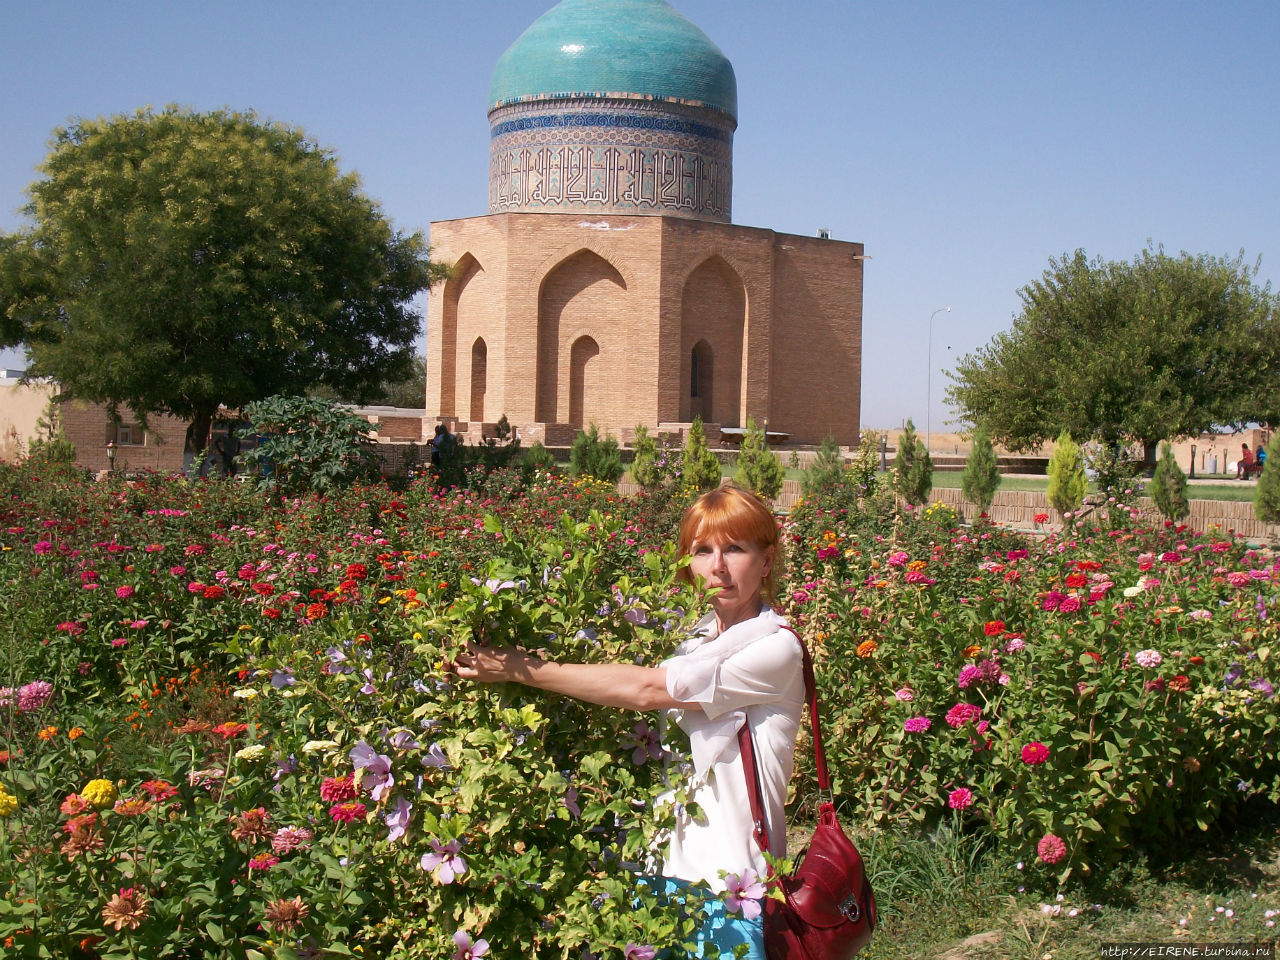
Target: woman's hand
x,y
492,664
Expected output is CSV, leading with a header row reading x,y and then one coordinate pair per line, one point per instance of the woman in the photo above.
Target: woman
x,y
741,665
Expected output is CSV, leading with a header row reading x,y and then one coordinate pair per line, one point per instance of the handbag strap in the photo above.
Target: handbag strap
x,y
746,747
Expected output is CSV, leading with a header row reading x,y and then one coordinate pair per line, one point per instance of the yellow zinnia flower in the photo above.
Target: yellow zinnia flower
x,y
8,802
99,793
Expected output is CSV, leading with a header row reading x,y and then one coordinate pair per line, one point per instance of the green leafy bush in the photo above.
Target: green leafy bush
x,y
594,456
1169,487
981,476
306,444
759,469
1067,481
826,473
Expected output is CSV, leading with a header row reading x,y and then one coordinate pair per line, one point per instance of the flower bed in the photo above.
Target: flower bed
x,y
229,730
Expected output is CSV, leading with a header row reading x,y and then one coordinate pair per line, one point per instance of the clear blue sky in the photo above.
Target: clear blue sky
x,y
963,143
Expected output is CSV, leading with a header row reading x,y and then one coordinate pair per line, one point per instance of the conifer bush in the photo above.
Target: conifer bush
x,y
981,476
826,473
1267,500
913,468
644,467
1067,481
701,466
759,468
1169,487
594,456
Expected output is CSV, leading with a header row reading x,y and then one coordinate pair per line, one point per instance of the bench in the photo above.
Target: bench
x,y
1252,470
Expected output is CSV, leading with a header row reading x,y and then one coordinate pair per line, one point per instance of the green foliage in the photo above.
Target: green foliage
x,y
594,456
912,468
1067,480
981,476
306,444
1155,348
826,473
536,459
1169,487
644,465
1267,499
759,468
49,444
1117,473
180,260
701,467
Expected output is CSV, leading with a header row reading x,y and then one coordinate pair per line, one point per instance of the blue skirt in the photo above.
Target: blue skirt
x,y
725,930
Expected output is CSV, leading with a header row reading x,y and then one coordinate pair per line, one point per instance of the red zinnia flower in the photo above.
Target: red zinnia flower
x,y
346,812
230,729
338,789
159,789
316,611
993,628
213,592
1035,753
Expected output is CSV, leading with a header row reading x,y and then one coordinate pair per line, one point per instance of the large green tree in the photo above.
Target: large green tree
x,y
178,260
1152,349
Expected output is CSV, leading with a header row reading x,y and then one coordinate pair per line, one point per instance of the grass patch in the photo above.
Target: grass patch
x,y
950,896
1227,490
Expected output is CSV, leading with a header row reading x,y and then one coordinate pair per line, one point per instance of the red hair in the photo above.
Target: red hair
x,y
730,513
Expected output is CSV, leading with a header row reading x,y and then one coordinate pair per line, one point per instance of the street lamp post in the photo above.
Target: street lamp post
x,y
111,456
928,387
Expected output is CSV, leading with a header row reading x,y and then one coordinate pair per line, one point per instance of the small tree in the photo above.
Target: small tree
x,y
1067,482
536,459
864,468
826,473
701,466
759,469
309,445
1169,486
981,476
1267,499
50,445
594,456
912,468
644,466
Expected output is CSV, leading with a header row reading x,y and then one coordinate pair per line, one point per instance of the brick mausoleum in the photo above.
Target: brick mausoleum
x,y
607,283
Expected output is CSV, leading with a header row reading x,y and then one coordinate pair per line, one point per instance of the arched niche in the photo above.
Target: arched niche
x,y
479,379
582,292
459,289
585,381
713,328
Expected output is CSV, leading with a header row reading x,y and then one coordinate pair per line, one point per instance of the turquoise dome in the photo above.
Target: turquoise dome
x,y
628,48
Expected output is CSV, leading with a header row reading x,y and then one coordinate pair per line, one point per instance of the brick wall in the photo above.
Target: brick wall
x,y
594,319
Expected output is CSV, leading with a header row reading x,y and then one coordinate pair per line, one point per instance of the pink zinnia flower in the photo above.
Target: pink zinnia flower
x,y
1035,753
338,789
969,674
263,861
1148,658
917,724
636,951
905,694
125,592
1051,849
960,798
289,839
34,695
962,713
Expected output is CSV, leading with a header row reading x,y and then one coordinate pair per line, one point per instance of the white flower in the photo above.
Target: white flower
x,y
254,751
315,746
1131,592
1148,658
244,693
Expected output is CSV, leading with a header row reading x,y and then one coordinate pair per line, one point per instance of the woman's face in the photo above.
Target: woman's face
x,y
734,570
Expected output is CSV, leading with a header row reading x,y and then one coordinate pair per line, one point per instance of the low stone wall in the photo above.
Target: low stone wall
x,y
1018,508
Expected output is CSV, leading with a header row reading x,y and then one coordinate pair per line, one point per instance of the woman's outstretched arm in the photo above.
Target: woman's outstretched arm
x,y
623,685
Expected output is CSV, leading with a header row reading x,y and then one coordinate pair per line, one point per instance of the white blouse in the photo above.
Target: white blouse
x,y
757,675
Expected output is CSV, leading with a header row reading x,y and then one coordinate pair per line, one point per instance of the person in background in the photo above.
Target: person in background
x,y
1245,462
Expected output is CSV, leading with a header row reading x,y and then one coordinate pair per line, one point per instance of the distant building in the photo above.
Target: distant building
x,y
607,284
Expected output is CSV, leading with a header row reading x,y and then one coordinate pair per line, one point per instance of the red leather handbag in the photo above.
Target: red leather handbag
x,y
828,911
